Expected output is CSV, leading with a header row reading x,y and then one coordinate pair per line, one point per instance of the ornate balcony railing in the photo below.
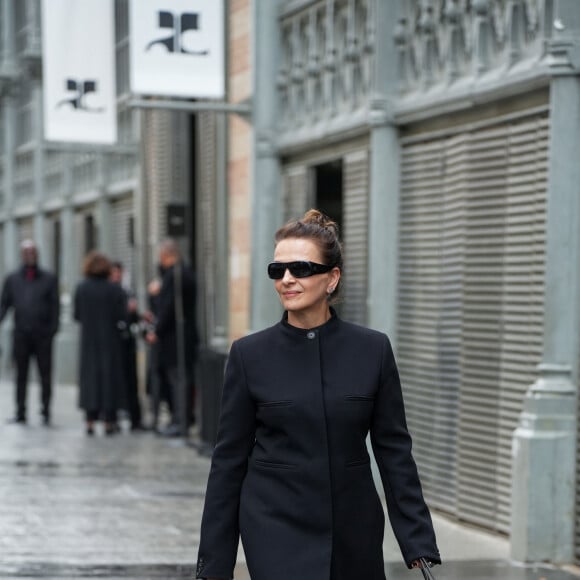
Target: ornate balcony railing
x,y
327,49
440,42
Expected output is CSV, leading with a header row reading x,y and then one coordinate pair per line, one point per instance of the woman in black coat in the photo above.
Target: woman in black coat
x,y
99,306
290,472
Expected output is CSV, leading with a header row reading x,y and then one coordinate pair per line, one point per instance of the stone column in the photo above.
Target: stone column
x,y
544,444
384,181
67,339
39,221
266,193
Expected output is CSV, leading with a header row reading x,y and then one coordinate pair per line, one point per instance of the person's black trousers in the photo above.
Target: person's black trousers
x,y
171,391
131,382
25,346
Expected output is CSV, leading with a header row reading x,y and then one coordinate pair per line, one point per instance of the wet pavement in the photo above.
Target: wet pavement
x,y
129,506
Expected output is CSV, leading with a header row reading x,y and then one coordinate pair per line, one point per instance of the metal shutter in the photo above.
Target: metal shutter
x,y
207,220
354,235
472,257
26,230
121,249
2,254
157,179
429,321
295,192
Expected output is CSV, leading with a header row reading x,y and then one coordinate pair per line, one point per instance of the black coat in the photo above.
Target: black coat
x,y
291,472
36,302
165,326
100,307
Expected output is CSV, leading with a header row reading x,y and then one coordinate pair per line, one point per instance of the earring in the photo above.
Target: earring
x,y
330,290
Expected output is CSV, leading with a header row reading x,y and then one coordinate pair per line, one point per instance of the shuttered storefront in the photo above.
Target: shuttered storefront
x,y
207,187
299,195
121,247
26,229
157,180
470,327
354,235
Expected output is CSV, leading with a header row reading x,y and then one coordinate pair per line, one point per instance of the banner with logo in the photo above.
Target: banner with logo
x,y
177,48
78,50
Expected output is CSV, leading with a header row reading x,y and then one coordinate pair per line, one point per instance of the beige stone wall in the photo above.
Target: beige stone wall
x,y
239,164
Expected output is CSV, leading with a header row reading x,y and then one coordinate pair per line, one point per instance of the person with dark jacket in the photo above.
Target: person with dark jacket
x,y
175,334
290,471
33,295
100,308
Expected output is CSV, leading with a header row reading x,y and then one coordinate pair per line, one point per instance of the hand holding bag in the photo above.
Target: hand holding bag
x,y
426,570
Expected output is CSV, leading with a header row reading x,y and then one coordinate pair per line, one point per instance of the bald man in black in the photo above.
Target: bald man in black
x,y
32,293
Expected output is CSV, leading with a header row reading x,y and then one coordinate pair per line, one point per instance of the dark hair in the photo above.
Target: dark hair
x,y
117,264
323,231
96,265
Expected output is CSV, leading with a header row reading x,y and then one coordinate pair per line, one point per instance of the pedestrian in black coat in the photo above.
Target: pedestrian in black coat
x,y
99,307
290,470
175,302
33,295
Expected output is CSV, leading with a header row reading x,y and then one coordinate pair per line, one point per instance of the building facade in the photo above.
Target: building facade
x,y
443,136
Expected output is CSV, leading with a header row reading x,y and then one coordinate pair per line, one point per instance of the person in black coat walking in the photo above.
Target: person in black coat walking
x,y
174,304
290,471
33,294
100,308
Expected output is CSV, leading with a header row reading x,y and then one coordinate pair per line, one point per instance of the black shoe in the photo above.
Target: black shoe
x,y
46,420
138,428
171,431
90,430
112,429
19,419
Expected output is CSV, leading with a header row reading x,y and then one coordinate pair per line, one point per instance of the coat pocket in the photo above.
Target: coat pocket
x,y
361,398
273,464
357,462
275,403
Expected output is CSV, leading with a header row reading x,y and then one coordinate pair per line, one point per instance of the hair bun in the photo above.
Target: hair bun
x,y
313,216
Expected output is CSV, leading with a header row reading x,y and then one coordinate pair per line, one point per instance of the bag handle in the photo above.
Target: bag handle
x,y
426,569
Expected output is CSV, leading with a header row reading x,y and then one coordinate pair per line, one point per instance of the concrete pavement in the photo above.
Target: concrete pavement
x,y
129,506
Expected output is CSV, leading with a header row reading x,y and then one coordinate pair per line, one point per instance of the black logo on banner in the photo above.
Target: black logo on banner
x,y
79,90
179,24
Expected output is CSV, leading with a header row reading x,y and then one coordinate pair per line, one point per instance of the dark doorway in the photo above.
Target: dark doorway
x,y
328,188
56,247
192,194
328,185
90,233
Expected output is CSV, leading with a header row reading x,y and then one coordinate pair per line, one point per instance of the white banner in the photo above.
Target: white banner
x,y
177,48
78,49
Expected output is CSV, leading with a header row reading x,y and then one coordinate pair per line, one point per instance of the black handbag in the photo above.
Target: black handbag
x,y
426,569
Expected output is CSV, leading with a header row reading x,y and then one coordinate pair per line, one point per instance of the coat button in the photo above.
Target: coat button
x,y
311,334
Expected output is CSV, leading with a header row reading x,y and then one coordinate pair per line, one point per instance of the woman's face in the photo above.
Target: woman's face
x,y
303,295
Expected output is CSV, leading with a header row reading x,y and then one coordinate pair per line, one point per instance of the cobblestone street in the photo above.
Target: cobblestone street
x,y
129,506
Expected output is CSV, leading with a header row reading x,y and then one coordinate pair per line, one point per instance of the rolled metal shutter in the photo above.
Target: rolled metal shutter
x,y
354,235
295,191
26,230
2,255
122,250
472,251
207,222
157,179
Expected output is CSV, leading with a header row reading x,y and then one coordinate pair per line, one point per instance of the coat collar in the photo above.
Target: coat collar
x,y
328,326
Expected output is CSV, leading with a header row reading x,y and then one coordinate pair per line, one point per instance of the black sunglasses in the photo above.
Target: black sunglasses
x,y
300,269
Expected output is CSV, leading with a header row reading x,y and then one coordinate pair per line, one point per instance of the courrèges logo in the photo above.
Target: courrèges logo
x,y
79,89
178,24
